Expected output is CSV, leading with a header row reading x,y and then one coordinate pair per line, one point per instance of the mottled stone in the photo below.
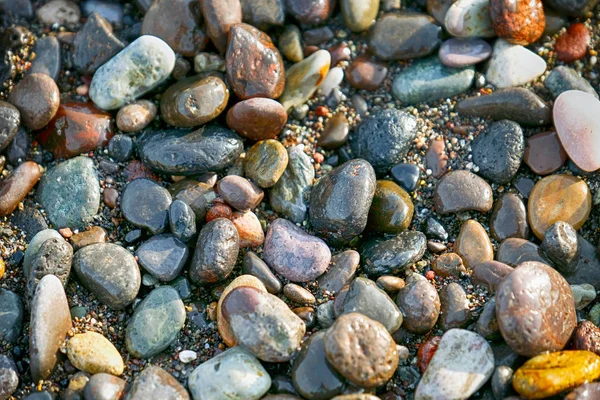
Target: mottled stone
x,y
155,382
448,264
573,44
469,18
104,386
9,377
263,13
94,44
303,78
216,252
257,119
454,312
15,186
59,12
561,245
458,52
93,353
387,257
37,98
54,257
146,204
265,162
391,210
310,12
136,116
460,191
563,78
520,22
419,303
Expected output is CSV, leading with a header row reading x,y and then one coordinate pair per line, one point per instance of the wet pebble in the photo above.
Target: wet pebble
x,y
473,244
475,194
59,12
257,118
335,133
514,251
249,229
163,256
53,258
290,43
136,116
145,204
563,78
154,381
310,12
387,257
490,274
11,316
298,294
94,44
340,272
15,187
359,15
37,98
487,324
219,17
216,252
303,79
509,218
419,303
583,295
239,192
120,148
366,73
391,210
406,175
469,18
586,336
9,123
47,57
254,265
561,245
448,264
95,234
265,162
454,312
104,386
263,13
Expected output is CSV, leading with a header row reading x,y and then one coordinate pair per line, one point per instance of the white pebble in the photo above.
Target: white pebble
x,y
187,356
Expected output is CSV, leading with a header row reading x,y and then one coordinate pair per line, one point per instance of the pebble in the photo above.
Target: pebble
x,y
535,309
110,272
391,210
406,175
429,80
257,119
47,57
70,193
556,198
487,324
263,324
436,158
139,68
458,53
120,148
255,266
587,391
112,12
9,123
475,194
176,24
15,187
197,195
473,244
384,138
563,78
265,162
145,204
290,43
303,78
50,322
155,382
390,284
239,192
11,316
95,234
404,36
53,258
93,353
365,73
249,229
561,245
544,153
58,12
583,294
454,311
577,127
34,246
514,251
9,377
298,294
29,220
361,350
498,151
155,323
216,252
518,23
509,218
520,105
104,387
37,98
461,365
586,337
490,274
136,116
573,44
393,255
76,128
310,12
293,253
264,13
448,265
469,18
163,256
436,8
219,17
330,86
110,197
94,44
513,65
341,271
335,133
250,46
359,15
210,148
550,374
194,101
419,303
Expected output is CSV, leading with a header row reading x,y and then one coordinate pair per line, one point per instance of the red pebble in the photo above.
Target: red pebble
x,y
319,158
426,352
219,211
322,111
430,275
573,44
135,169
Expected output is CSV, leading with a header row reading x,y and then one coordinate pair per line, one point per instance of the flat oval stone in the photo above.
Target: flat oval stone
x,y
509,218
93,353
216,252
47,57
391,256
182,220
11,316
563,78
513,65
419,303
50,322
515,251
15,187
462,363
9,123
293,253
575,119
520,22
163,256
194,101
265,162
146,204
239,192
391,210
37,98
359,15
249,46
436,158
70,193
179,152
76,128
257,118
469,18
544,153
153,382
139,68
104,387
535,309
520,105
9,377
490,274
404,36
110,272
473,244
217,377
558,198
303,78
458,52
136,116
460,191
220,16
429,80
361,350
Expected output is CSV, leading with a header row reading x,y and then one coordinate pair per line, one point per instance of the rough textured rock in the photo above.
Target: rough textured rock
x,y
216,252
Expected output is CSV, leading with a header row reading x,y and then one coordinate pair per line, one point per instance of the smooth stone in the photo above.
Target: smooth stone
x,y
419,303
120,148
448,265
249,229
335,133
459,53
340,201
310,12
216,252
299,295
265,162
290,43
137,69
544,153
54,257
577,127
473,194
9,123
110,272
234,374
239,192
384,138
558,198
255,266
293,253
37,98
93,353
498,151
490,274
263,324
520,105
391,210
76,128
469,18
519,23
454,312
560,243
473,244
487,325
359,15
303,78
9,377
59,12
155,382
15,186
387,257
361,350
95,234
210,148
155,323
436,158
94,44
435,229
194,101
288,196
136,116
263,13
429,80
366,73
104,386
563,78
163,256
573,44
404,36
509,218
406,175
219,17
70,193
513,65
145,204
341,271
197,195
176,23
11,316
583,294
50,322
257,119
535,309
514,251
461,365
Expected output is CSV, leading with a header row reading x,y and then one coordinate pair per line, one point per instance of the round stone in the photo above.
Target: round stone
x,y
520,22
120,148
265,162
509,218
146,204
490,274
239,192
249,229
310,12
257,119
391,210
93,353
419,303
335,133
136,116
163,256
53,258
359,15
366,73
37,97
216,252
406,175
9,377
448,264
460,191
104,387
458,52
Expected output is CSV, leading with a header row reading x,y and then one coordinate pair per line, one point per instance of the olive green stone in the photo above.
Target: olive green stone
x,y
391,210
265,162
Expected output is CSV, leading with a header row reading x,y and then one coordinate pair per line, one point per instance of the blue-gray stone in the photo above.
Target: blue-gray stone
x,y
47,57
564,78
182,220
11,316
163,256
146,204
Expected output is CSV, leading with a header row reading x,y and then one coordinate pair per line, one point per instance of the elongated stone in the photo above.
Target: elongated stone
x,y
303,78
17,185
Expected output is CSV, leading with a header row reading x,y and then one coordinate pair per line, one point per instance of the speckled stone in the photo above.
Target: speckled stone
x,y
419,303
520,22
563,78
136,116
9,377
310,12
9,123
155,382
93,353
216,252
265,162
11,316
94,44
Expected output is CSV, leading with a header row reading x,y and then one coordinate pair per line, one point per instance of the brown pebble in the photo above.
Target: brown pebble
x,y
298,294
37,98
490,274
220,16
573,44
257,119
110,197
17,185
436,158
390,284
136,116
436,247
448,264
249,229
366,73
95,234
586,337
473,244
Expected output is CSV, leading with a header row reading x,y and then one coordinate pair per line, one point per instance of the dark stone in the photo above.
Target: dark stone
x,y
509,218
574,8
17,150
9,123
47,57
263,13
514,251
133,236
460,191
104,386
9,377
216,252
254,265
182,220
163,256
490,274
387,257
11,316
563,78
340,272
406,175
310,12
435,229
94,44
120,148
487,325
195,194
146,204
29,220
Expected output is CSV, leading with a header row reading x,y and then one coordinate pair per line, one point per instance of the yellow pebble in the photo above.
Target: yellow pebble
x,y
2,268
93,353
549,374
